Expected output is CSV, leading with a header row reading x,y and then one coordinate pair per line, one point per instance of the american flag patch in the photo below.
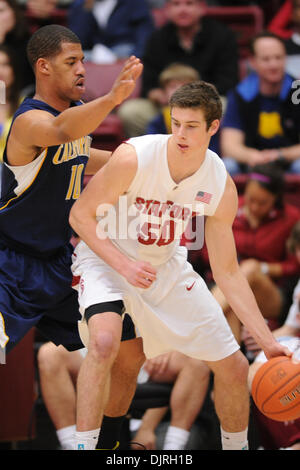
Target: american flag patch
x,y
202,196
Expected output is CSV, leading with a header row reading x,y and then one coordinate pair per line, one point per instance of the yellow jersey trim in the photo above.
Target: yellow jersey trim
x,y
4,332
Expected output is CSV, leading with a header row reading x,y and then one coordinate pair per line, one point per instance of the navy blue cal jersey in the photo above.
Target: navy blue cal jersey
x,y
36,198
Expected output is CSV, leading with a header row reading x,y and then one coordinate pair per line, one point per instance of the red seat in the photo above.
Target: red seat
x,y
18,392
109,134
244,21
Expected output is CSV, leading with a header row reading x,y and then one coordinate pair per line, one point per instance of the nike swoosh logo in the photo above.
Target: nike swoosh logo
x,y
190,287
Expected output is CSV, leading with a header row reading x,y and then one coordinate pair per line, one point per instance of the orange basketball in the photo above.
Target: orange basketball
x,y
276,389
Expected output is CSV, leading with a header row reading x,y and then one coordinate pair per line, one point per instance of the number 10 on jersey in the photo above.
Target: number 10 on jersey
x,y
74,188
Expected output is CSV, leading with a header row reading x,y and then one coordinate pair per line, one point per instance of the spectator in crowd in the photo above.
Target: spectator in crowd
x,y
171,78
274,434
191,39
111,29
15,34
186,400
262,120
9,76
46,12
261,228
42,9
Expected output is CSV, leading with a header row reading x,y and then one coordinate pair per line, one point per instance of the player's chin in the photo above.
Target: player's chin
x,y
78,92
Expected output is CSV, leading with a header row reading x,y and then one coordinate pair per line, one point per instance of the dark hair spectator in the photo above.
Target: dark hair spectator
x,y
272,180
14,33
193,39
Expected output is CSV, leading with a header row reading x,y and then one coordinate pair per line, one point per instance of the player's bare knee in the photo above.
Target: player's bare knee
x,y
198,367
104,345
237,371
49,358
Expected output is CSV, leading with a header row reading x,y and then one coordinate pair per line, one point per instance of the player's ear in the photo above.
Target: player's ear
x,y
214,127
42,66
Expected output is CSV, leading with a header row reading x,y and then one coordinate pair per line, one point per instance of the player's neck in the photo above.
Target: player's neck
x,y
51,99
182,165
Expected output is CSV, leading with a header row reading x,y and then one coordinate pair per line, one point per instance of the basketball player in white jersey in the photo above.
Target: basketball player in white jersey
x,y
165,180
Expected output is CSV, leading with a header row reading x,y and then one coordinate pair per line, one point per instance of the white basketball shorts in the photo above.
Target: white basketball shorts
x,y
176,313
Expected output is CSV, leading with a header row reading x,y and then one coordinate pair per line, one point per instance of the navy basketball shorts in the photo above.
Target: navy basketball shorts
x,y
38,293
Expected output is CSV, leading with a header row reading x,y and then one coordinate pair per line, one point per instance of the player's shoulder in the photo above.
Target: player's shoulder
x,y
216,165
230,191
33,115
124,158
228,205
23,123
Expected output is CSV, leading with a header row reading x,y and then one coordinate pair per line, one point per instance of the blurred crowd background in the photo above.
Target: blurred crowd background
x,y
251,52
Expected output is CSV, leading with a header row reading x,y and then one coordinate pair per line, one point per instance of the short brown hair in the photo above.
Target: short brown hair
x,y
199,95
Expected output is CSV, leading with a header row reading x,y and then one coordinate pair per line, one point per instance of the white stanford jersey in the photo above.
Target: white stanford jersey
x,y
159,209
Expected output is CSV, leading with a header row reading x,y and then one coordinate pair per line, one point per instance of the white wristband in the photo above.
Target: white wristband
x,y
264,267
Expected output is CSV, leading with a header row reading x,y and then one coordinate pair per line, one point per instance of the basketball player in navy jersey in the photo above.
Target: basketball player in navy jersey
x,y
46,155
165,180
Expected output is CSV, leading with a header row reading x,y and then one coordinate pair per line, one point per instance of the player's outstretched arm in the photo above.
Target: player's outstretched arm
x,y
228,276
38,129
102,193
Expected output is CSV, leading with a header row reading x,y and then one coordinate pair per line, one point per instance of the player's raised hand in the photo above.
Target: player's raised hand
x,y
126,81
140,274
